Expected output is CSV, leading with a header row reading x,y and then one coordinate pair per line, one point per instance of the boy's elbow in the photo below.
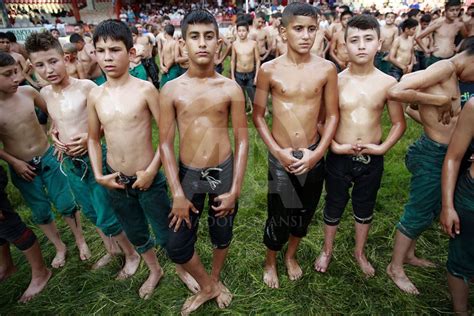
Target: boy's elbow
x,y
395,93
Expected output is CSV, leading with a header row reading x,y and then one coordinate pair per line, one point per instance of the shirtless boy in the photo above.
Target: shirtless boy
x,y
321,44
457,213
200,103
444,31
181,56
169,69
356,154
34,170
402,52
338,51
87,58
296,149
245,61
148,60
420,56
388,33
66,102
13,230
73,66
137,190
436,92
262,37
281,43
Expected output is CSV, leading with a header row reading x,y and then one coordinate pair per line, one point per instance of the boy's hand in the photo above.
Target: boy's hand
x,y
24,170
449,220
144,180
57,143
109,181
226,204
164,70
370,149
78,145
58,154
343,149
286,158
306,163
445,112
180,212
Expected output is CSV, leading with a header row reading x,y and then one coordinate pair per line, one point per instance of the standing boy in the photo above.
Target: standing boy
x,y
199,103
356,154
34,170
436,91
388,33
296,149
338,50
169,68
245,61
402,53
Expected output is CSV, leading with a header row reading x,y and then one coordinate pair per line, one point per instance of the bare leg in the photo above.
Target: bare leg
x,y
460,294
147,288
52,234
7,267
413,260
361,233
209,288
292,266
132,258
187,279
39,273
109,247
322,262
75,224
395,269
218,259
270,273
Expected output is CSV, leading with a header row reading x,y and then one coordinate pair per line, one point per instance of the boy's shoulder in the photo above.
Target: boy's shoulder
x,y
27,91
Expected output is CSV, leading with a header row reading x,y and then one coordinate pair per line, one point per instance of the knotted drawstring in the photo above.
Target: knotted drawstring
x,y
213,182
365,159
74,159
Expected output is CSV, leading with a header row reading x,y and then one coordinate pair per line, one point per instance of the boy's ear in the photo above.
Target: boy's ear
x,y
220,41
132,53
67,58
380,44
283,33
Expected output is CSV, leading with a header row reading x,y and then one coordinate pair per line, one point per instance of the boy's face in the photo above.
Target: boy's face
x,y
452,12
113,57
55,34
49,65
9,79
202,43
4,45
134,36
260,22
424,25
300,33
362,45
80,45
410,31
345,19
390,19
242,32
79,30
70,57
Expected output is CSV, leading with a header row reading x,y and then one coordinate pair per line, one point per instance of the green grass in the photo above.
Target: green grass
x,y
75,289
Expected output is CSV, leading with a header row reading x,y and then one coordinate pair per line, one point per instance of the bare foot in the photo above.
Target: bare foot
x,y
399,277
7,272
270,276
130,267
322,262
36,286
102,262
60,259
293,269
147,288
419,262
225,297
84,252
365,265
187,279
195,301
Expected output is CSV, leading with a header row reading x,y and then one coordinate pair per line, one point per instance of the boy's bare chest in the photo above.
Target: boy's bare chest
x,y
289,84
353,95
244,49
12,115
110,111
447,30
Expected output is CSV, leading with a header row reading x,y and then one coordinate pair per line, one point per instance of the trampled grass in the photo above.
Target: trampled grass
x,y
75,289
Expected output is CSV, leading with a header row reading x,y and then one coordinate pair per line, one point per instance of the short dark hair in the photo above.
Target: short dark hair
x,y
6,60
408,24
3,35
413,12
198,16
242,23
261,15
425,18
42,41
169,29
115,30
11,36
54,29
386,14
276,15
468,45
75,38
134,30
363,22
298,9
344,13
452,3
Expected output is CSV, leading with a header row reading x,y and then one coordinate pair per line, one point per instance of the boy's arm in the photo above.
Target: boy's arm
x,y
269,45
460,140
145,177
257,64
22,168
167,127
239,125
413,113
332,51
430,29
228,47
233,59
24,71
39,101
331,108
177,55
95,150
393,54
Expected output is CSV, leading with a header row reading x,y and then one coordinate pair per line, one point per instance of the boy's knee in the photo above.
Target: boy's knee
x,y
276,235
26,240
180,251
363,217
142,245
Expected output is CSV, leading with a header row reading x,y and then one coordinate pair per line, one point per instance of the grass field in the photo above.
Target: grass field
x,y
75,289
